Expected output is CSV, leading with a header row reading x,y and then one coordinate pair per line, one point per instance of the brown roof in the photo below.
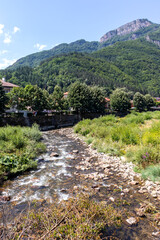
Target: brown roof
x,y
7,84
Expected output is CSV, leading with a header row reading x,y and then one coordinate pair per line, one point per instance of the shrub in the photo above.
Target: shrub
x,y
80,218
152,172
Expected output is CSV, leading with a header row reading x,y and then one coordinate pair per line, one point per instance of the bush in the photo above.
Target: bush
x,y
152,172
18,148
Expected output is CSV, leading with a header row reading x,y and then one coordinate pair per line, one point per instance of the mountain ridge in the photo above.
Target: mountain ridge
x,y
126,29
140,28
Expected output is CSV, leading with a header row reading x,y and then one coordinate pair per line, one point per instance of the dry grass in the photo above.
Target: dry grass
x,y
79,218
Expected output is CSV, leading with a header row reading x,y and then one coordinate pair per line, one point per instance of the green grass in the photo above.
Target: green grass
x,y
152,172
18,148
137,136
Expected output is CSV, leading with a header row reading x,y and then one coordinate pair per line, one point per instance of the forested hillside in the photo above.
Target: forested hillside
x,y
35,59
132,64
139,59
64,70
146,30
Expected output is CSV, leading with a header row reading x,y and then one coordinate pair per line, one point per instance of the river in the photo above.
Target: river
x,y
68,167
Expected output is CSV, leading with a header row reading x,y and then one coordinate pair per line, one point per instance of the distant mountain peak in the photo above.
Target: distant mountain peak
x,y
126,29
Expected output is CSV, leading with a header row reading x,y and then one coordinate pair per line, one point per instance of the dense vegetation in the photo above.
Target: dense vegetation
x,y
18,148
137,136
3,99
35,59
139,60
81,98
132,64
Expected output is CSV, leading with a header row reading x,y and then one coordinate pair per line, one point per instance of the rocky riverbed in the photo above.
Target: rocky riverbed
x,y
113,180
70,167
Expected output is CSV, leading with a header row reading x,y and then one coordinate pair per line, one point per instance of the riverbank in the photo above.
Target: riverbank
x,y
117,164
70,168
18,148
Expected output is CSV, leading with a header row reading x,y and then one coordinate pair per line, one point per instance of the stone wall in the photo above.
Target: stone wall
x,y
46,122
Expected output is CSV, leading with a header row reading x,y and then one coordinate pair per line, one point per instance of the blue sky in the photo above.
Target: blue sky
x,y
28,26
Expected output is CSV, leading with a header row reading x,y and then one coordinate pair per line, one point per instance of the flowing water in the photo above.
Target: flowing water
x,y
53,177
56,177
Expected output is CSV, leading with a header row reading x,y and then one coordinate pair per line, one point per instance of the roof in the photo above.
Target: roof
x,y
107,99
66,93
7,84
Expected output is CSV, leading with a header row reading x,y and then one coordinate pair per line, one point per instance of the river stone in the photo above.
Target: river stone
x,y
156,234
64,190
5,198
75,151
112,199
131,220
54,154
140,212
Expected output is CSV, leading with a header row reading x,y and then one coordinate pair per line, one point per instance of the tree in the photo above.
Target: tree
x,y
98,99
16,98
139,102
80,97
120,100
3,99
57,98
149,101
35,98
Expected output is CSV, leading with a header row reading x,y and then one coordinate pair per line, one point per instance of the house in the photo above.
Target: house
x,y
107,106
7,86
65,94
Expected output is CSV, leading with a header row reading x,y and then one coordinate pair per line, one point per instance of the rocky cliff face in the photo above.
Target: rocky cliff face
x,y
157,42
126,29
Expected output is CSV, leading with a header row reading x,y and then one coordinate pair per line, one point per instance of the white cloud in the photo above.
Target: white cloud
x,y
1,28
7,38
16,29
3,52
6,62
40,47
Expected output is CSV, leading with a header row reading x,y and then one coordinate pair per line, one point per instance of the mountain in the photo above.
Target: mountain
x,y
140,28
138,59
131,64
35,59
116,62
64,70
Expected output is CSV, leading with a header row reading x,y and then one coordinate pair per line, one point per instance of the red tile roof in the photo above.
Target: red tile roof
x,y
7,84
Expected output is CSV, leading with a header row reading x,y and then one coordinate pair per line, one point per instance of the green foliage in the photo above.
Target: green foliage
x,y
139,102
79,97
3,99
139,60
120,100
86,99
136,136
30,96
18,148
149,101
152,172
57,98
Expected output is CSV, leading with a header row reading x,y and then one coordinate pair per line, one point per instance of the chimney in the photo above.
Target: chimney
x,y
3,79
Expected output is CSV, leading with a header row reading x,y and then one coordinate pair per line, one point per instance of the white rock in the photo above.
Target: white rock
x,y
131,220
